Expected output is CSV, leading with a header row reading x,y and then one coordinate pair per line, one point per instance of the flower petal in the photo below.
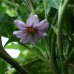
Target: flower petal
x,y
19,34
21,25
41,34
42,26
31,41
32,20
35,38
25,39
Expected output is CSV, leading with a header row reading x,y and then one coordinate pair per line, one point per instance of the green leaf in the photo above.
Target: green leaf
x,y
53,3
39,67
39,8
36,66
35,1
3,66
11,12
15,46
12,39
6,25
2,8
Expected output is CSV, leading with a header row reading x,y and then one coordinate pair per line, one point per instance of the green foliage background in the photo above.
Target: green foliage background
x,y
44,57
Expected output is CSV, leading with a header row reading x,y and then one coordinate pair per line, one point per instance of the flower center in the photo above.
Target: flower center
x,y
31,30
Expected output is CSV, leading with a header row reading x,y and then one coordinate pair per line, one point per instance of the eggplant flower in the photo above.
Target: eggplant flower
x,y
31,31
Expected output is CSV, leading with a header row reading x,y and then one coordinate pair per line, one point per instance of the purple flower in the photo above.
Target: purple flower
x,y
31,31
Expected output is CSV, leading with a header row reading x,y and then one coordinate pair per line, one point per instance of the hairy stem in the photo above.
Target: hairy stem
x,y
4,55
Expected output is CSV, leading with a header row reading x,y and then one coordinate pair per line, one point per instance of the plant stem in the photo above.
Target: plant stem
x,y
13,63
51,30
4,55
69,57
68,60
52,41
44,1
59,36
53,53
30,6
